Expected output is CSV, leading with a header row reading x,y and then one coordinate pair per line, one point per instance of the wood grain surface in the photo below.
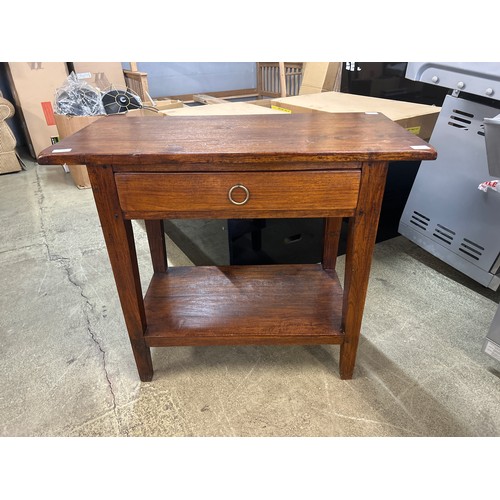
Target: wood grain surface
x,y
119,238
137,141
207,194
284,304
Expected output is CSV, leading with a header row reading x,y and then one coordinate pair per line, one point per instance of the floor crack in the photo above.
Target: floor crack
x,y
65,263
88,309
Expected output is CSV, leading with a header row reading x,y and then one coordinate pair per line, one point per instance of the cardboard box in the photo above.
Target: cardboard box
x,y
101,74
320,77
417,118
266,103
33,87
229,108
68,125
162,104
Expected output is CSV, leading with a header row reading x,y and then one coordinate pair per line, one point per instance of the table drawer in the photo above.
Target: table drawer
x,y
232,194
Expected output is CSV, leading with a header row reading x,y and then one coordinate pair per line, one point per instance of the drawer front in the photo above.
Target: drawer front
x,y
233,194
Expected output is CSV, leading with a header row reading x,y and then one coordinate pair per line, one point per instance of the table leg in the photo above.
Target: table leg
x,y
360,243
156,240
333,226
119,239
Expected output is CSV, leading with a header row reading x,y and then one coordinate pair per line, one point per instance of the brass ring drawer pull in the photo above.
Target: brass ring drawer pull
x,y
239,186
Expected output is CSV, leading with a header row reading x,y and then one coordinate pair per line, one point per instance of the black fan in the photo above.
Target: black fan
x,y
120,101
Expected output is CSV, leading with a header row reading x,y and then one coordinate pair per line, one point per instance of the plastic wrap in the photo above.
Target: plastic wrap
x,y
493,185
78,98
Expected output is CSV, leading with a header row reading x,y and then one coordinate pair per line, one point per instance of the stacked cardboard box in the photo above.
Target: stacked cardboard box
x,y
230,108
102,75
33,86
417,118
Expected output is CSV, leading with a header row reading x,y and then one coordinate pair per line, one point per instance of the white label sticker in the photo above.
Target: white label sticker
x,y
371,112
82,76
493,350
420,147
67,150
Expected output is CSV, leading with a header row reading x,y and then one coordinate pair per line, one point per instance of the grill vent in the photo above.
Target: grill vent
x,y
444,234
460,119
420,220
481,130
471,249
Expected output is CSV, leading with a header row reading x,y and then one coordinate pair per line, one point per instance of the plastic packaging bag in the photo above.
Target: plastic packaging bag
x,y
78,98
494,185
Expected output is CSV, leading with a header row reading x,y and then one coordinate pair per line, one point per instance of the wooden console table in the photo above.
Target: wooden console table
x,y
301,165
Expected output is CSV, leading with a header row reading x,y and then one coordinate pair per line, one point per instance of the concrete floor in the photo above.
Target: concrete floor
x,y
67,368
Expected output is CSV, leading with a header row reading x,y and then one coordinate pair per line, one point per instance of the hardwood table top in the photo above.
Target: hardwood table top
x,y
314,137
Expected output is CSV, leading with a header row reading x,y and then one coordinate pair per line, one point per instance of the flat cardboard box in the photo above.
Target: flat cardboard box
x,y
101,74
417,118
162,104
266,103
229,108
68,125
33,86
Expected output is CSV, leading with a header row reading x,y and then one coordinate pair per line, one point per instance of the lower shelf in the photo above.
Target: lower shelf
x,y
234,305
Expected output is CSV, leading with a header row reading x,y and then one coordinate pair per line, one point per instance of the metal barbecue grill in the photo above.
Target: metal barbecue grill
x,y
446,213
